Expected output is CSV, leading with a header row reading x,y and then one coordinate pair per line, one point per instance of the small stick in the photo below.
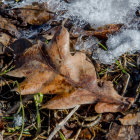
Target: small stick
x,y
91,124
79,131
49,116
126,84
137,93
62,123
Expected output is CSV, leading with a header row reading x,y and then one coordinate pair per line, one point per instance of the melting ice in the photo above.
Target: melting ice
x,y
98,12
126,41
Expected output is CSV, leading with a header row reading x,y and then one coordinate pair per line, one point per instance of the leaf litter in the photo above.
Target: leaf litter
x,y
57,61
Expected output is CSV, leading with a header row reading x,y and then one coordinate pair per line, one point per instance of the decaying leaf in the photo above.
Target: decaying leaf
x,y
4,39
101,32
5,24
53,69
118,132
35,14
131,119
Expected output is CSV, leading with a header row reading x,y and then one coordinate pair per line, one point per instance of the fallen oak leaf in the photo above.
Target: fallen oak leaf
x,y
78,71
102,107
35,77
59,85
106,101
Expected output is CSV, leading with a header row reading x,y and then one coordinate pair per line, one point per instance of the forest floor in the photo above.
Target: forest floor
x,y
49,89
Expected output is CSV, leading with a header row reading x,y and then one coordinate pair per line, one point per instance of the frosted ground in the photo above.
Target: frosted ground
x,y
99,13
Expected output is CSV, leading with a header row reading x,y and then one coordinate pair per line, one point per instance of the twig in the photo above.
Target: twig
x,y
49,116
126,84
91,124
137,92
79,131
62,123
41,136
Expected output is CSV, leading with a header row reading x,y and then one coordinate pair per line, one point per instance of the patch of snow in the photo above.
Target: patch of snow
x,y
98,12
126,41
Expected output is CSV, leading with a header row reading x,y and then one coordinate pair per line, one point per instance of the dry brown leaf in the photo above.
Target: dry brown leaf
x,y
54,70
35,14
101,32
4,39
59,85
75,67
70,100
5,24
118,132
131,119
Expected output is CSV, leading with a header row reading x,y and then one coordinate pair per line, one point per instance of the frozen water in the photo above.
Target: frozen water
x,y
88,45
126,41
98,13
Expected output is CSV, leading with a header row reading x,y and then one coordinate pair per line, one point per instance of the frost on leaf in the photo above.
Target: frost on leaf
x,y
53,69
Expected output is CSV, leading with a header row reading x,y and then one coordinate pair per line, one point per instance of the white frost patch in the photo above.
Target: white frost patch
x,y
126,41
17,120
